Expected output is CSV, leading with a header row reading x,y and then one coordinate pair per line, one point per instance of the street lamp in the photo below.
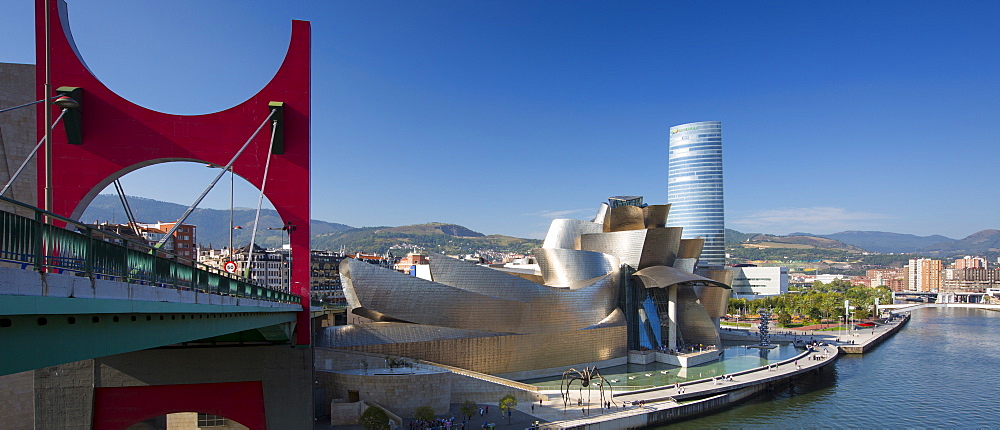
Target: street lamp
x,y
66,103
62,101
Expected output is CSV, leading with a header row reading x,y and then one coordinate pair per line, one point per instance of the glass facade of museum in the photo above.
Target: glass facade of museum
x,y
694,187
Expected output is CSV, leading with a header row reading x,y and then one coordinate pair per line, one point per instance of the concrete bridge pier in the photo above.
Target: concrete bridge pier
x,y
259,387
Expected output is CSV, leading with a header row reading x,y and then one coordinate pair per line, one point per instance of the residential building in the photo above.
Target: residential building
x,y
694,187
268,267
970,280
182,241
415,264
969,262
325,276
895,279
924,274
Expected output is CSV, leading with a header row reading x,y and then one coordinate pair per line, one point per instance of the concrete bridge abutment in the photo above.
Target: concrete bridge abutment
x,y
258,386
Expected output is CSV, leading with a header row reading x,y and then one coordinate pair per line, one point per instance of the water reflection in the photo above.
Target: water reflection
x,y
735,357
936,372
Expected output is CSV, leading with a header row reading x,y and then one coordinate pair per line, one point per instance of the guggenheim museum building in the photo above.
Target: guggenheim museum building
x,y
621,281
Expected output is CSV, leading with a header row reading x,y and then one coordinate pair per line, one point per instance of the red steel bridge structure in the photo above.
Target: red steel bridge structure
x,y
109,334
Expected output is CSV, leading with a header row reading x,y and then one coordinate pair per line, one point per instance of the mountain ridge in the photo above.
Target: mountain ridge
x,y
981,242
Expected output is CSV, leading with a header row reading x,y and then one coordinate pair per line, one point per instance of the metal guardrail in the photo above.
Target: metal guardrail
x,y
81,249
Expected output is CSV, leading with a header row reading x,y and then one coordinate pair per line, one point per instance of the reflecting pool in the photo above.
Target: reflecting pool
x,y
735,357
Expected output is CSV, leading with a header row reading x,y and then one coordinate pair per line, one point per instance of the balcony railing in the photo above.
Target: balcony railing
x,y
65,245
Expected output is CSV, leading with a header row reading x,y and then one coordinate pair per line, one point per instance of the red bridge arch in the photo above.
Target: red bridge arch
x,y
119,136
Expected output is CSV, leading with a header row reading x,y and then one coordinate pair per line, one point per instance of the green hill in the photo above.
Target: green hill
x,y
213,224
437,237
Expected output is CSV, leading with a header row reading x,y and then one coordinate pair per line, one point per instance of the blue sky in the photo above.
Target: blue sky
x,y
500,115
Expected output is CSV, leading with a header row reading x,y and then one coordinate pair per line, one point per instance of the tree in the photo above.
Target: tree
x,y
507,405
468,409
815,314
424,413
784,318
374,419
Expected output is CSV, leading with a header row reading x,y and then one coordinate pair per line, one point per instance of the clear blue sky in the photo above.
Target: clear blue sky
x,y
500,115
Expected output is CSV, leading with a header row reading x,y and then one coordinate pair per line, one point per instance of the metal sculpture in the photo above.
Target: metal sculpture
x,y
587,377
762,330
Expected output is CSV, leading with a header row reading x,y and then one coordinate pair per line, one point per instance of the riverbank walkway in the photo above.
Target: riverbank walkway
x,y
849,341
579,412
696,397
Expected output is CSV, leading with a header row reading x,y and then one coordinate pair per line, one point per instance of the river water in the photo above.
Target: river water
x,y
940,371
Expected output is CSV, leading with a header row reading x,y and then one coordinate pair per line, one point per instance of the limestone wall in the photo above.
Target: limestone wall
x,y
17,400
399,393
17,132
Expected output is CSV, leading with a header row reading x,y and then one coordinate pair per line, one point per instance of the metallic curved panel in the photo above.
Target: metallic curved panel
x,y
685,264
602,213
724,276
511,353
665,276
695,325
389,332
471,277
660,247
617,318
565,233
714,299
655,216
637,248
624,218
690,248
409,298
561,266
525,308
538,279
626,245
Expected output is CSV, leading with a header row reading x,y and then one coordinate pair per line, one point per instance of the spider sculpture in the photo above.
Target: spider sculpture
x,y
588,376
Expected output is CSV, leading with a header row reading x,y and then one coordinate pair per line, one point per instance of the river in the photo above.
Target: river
x,y
940,371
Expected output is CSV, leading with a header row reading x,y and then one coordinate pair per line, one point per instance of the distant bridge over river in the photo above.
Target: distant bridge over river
x,y
906,307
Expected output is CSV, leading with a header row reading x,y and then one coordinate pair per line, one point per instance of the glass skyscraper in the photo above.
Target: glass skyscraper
x,y
694,187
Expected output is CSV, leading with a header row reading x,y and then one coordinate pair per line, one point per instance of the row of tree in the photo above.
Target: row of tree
x,y
821,302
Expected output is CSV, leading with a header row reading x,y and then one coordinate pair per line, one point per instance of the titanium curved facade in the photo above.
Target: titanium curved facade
x,y
694,187
581,305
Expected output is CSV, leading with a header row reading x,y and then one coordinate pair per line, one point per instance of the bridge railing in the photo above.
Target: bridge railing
x,y
66,245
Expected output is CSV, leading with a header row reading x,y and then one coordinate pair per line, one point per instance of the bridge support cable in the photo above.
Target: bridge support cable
x,y
126,207
260,200
31,154
170,233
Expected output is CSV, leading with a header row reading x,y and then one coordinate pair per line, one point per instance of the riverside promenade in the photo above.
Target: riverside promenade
x,y
662,405
848,341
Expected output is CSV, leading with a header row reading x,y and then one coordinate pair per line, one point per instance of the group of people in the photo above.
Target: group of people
x,y
720,379
686,349
437,424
